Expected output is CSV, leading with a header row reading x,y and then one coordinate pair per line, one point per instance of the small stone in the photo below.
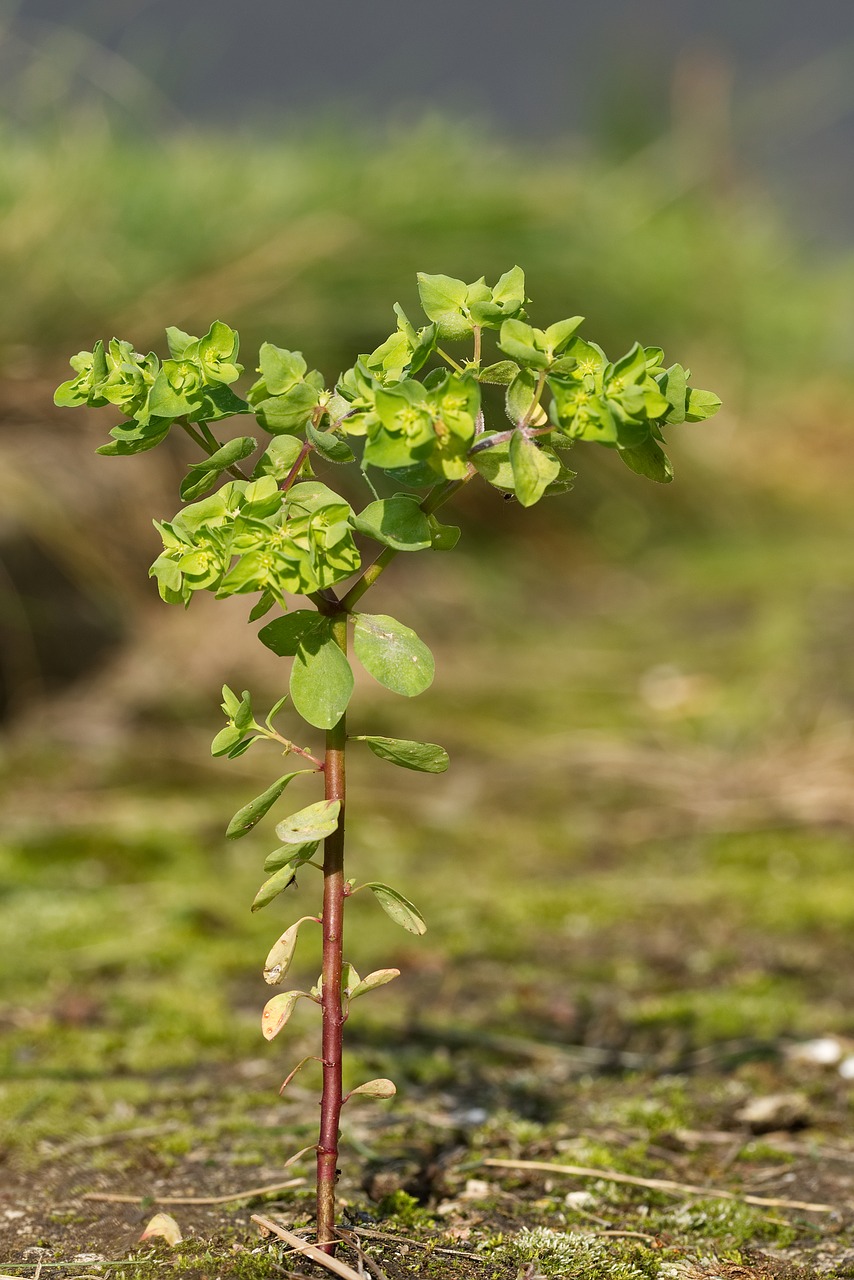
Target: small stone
x,y
776,1111
846,1068
826,1051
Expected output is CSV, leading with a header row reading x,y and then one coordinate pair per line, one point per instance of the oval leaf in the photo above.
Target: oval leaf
x,y
378,978
532,469
399,908
425,757
296,854
281,953
321,679
285,635
375,1089
315,822
246,818
271,888
393,654
277,1012
396,522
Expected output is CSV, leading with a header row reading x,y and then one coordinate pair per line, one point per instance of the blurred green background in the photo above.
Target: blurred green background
x,y
644,842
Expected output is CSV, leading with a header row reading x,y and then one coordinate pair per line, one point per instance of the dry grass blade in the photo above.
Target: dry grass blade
x,y
307,1250
250,1194
658,1184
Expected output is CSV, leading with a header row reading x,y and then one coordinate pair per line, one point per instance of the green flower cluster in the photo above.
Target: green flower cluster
x,y
251,536
193,384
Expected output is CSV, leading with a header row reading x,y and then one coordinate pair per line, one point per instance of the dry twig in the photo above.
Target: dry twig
x,y
657,1184
310,1251
251,1194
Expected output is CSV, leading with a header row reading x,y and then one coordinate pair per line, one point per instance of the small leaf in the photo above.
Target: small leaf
x,y
396,522
277,1012
444,537
285,635
532,469
295,854
321,678
393,654
245,819
500,374
424,757
315,822
163,1226
225,740
375,1089
701,405
443,300
349,979
649,460
378,978
399,908
271,888
281,953
329,445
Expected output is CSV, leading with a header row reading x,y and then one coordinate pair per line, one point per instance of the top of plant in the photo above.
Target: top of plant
x,y
410,410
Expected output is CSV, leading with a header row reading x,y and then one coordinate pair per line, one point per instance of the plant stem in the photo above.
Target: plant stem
x,y
333,941
437,496
210,448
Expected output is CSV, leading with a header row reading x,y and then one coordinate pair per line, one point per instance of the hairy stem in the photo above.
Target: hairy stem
x,y
333,941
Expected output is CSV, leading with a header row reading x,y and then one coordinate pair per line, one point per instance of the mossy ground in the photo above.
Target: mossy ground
x,y
637,883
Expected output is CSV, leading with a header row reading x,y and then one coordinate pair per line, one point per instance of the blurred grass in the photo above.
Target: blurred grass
x,y
308,237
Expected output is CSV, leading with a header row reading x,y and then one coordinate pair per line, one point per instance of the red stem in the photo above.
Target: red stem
x,y
333,941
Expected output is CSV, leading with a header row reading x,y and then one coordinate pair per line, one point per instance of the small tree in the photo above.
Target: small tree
x,y
411,414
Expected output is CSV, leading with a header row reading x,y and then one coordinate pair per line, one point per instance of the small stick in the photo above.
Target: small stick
x,y
657,1184
419,1244
236,1195
307,1250
366,1259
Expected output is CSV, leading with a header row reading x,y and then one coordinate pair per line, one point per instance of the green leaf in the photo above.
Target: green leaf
x,y
289,853
444,537
519,341
329,445
532,469
271,888
225,740
321,678
559,334
203,475
424,757
285,635
282,952
443,300
381,1088
649,460
701,405
520,396
378,978
278,458
246,818
500,374
178,342
397,522
393,654
277,1012
263,605
399,908
315,822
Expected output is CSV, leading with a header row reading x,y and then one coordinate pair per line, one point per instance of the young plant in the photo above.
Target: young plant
x,y
410,418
